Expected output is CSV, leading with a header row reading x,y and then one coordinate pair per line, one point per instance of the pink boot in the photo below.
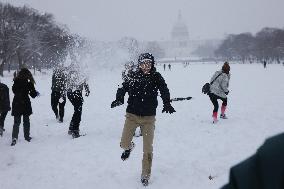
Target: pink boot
x,y
215,114
223,115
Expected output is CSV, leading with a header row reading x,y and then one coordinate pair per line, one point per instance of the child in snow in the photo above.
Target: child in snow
x,y
142,89
219,90
21,106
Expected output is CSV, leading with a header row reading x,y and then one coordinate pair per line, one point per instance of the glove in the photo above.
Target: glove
x,y
87,93
37,94
116,103
227,92
168,109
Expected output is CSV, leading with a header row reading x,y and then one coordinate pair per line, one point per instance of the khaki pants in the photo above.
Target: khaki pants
x,y
147,124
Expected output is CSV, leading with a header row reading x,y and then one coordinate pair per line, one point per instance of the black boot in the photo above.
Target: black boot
x,y
28,138
125,155
145,182
76,134
14,141
60,120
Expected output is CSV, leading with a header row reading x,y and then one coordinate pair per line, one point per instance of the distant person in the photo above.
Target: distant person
x,y
164,67
23,87
58,94
264,64
263,170
170,67
219,91
4,105
76,84
141,109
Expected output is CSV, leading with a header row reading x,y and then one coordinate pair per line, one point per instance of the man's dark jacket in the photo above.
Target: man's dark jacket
x,y
21,104
264,170
143,91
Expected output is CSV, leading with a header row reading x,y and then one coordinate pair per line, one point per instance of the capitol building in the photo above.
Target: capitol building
x,y
180,44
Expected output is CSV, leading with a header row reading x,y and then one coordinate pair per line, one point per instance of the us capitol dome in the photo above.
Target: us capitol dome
x,y
180,32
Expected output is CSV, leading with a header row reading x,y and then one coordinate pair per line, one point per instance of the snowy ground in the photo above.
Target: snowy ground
x,y
187,147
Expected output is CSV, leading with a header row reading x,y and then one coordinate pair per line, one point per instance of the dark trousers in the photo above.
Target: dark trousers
x,y
214,99
26,126
76,99
2,119
55,96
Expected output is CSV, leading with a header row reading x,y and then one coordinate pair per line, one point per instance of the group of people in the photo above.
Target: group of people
x,y
65,81
22,88
70,82
142,85
169,67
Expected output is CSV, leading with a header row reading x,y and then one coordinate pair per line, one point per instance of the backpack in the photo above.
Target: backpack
x,y
206,86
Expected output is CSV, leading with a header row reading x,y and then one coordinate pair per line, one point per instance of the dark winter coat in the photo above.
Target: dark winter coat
x,y
264,170
4,98
59,79
143,91
21,104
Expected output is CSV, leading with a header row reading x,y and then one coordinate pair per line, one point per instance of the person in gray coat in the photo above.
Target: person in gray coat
x,y
219,90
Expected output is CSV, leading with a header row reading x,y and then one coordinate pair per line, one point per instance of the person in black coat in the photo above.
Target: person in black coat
x,y
263,170
23,87
142,89
4,105
58,94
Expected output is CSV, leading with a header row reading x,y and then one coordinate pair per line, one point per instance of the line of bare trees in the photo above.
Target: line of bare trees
x,y
31,39
267,45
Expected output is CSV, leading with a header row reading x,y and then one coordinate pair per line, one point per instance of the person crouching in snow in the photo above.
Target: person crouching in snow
x,y
23,87
219,90
142,90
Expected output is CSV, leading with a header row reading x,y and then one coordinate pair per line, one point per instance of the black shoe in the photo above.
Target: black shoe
x,y
223,116
125,155
28,139
70,132
144,181
76,134
14,141
60,120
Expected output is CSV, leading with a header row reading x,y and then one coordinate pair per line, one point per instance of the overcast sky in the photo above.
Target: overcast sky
x,y
154,19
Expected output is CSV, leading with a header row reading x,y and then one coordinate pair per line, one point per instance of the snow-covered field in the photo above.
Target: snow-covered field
x,y
187,146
